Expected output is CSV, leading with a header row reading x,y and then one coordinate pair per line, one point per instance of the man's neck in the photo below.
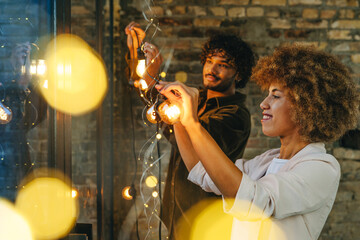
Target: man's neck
x,y
212,94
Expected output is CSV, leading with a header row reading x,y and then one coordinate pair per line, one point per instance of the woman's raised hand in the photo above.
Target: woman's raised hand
x,y
184,96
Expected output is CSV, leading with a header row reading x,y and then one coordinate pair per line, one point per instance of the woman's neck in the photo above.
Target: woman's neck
x,y
290,146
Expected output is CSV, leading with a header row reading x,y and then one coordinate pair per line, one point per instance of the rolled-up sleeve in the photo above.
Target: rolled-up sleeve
x,y
199,176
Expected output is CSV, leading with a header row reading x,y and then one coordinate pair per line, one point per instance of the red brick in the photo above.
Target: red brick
x,y
342,3
269,2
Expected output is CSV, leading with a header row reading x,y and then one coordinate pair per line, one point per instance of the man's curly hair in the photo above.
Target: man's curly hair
x,y
238,53
325,100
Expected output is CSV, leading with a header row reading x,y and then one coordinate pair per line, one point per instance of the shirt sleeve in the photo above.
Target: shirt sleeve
x,y
199,176
301,190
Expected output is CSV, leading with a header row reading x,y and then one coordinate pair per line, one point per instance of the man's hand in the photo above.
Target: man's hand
x,y
135,36
153,60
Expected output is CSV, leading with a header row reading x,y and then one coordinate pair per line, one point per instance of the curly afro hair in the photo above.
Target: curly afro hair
x,y
325,100
239,55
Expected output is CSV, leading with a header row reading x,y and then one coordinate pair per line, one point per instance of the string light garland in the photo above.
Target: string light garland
x,y
156,110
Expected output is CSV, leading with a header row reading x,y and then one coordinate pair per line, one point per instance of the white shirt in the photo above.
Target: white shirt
x,y
275,165
291,204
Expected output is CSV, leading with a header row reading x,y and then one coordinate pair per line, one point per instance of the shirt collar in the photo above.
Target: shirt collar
x,y
236,99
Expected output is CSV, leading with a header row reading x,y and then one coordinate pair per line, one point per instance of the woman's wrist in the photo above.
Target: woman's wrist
x,y
192,125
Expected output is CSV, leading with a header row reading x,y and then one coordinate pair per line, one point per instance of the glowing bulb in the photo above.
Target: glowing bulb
x,y
5,114
163,74
158,136
169,112
155,194
126,193
140,68
151,114
151,181
143,84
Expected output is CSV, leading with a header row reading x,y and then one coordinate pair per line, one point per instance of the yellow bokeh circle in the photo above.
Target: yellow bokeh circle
x,y
207,221
75,81
48,205
151,181
13,226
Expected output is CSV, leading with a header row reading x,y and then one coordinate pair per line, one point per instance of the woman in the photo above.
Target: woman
x,y
311,100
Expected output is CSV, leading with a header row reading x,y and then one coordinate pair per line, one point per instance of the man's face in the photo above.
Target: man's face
x,y
218,74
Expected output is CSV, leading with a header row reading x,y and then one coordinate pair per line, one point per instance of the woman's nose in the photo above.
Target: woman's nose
x,y
264,104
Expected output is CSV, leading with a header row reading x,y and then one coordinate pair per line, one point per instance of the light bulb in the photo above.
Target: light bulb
x,y
169,112
126,193
5,114
140,68
151,114
143,85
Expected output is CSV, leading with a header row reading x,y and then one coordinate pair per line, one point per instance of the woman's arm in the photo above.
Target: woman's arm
x,y
226,176
187,151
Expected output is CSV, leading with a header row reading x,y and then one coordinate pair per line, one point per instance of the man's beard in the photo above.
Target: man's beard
x,y
222,87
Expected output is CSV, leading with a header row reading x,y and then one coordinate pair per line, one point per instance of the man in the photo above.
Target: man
x,y
227,63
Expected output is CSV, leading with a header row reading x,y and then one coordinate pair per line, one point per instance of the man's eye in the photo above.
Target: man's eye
x,y
224,66
275,96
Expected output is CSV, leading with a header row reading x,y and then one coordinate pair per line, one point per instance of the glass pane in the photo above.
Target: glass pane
x,y
23,112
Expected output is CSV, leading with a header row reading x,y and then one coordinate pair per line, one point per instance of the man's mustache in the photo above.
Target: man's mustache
x,y
213,75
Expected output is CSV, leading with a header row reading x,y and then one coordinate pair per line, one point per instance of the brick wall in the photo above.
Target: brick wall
x,y
331,25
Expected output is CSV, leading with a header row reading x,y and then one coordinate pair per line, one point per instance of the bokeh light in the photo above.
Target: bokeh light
x,y
48,204
13,226
126,193
208,221
155,194
75,75
181,76
151,181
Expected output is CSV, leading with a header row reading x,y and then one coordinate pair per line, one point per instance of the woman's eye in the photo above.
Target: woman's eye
x,y
275,96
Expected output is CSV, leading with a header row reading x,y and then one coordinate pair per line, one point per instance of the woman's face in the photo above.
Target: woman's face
x,y
276,119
